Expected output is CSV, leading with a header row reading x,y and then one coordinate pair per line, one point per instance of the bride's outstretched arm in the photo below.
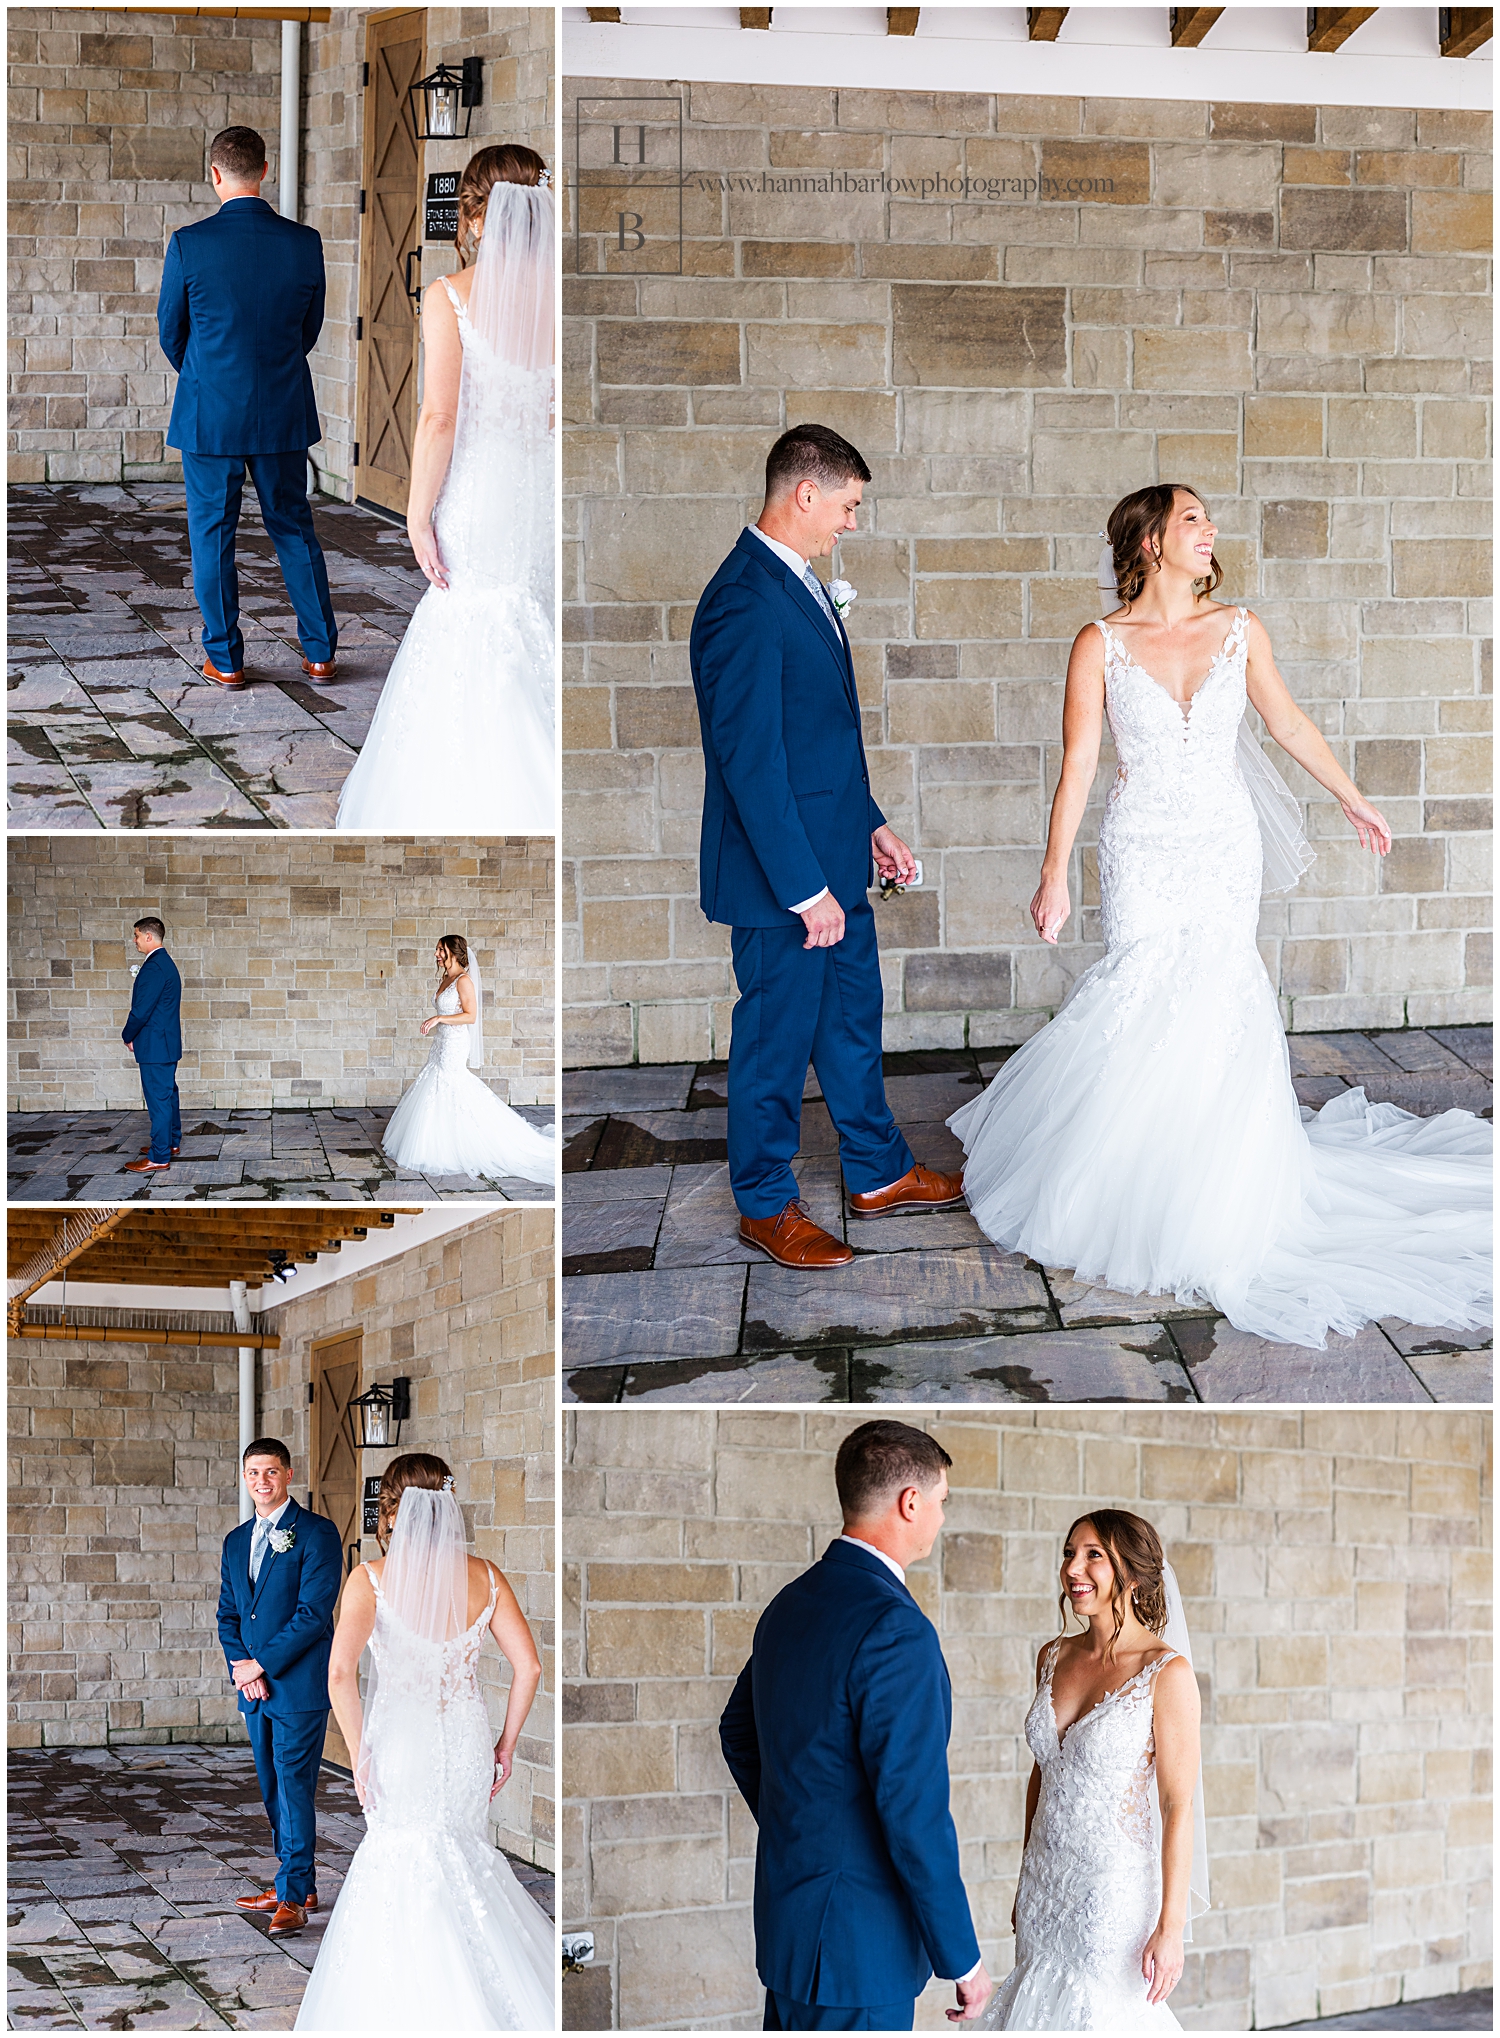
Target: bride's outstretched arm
x,y
356,1625
1301,738
518,1647
1083,724
437,422
1175,1726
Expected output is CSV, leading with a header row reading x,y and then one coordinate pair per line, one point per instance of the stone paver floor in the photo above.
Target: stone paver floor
x,y
663,1302
331,1155
111,722
124,1864
1473,2010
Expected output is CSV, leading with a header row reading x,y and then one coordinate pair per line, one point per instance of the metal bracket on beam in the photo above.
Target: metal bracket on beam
x,y
1462,30
1329,28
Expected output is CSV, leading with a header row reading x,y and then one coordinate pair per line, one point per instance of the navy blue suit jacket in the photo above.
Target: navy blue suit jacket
x,y
786,805
240,309
837,1736
285,1620
154,1027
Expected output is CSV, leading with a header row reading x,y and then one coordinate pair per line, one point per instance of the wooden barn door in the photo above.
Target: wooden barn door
x,y
391,227
335,1468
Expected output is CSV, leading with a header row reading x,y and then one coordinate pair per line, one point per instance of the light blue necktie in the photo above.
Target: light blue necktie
x,y
258,1546
817,589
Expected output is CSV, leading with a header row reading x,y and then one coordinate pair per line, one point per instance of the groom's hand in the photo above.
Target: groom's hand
x,y
972,1994
246,1671
892,857
824,923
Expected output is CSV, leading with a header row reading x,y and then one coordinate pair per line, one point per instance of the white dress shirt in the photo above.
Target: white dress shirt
x,y
891,1565
799,566
264,1523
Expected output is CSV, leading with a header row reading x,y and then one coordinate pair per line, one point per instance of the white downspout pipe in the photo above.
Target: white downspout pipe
x,y
239,1303
291,147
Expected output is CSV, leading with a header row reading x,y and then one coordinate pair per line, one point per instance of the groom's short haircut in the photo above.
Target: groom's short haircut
x,y
812,453
879,1460
239,154
267,1447
152,926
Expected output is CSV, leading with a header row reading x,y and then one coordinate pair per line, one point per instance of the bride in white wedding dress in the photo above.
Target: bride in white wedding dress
x,y
1149,1137
1115,1862
432,1930
464,736
450,1122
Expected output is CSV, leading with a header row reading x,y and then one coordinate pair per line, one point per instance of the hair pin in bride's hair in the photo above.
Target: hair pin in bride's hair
x,y
544,180
448,1483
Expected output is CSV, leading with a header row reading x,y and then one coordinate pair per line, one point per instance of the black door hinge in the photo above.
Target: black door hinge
x,y
361,201
366,78
356,452
359,329
309,1394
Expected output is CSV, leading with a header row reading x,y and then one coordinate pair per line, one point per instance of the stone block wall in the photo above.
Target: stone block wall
x,y
123,1486
1284,306
111,113
1336,1572
470,1319
306,963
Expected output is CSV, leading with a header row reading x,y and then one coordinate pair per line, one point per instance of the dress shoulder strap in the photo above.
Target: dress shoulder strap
x,y
374,1580
454,298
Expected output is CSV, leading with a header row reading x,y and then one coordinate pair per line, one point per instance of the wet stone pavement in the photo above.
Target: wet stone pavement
x,y
331,1155
124,1865
112,724
665,1303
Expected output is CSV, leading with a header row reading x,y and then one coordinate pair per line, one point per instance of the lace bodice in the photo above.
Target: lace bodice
x,y
450,1044
427,1731
1090,1888
1165,743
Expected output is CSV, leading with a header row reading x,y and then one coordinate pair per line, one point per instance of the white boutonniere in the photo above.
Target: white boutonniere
x,y
843,596
281,1540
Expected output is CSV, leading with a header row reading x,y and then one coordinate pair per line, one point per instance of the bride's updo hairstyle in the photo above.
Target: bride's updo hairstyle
x,y
1137,520
1134,1549
457,948
501,163
414,1468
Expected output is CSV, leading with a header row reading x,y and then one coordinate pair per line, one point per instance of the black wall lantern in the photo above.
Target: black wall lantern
x,y
378,1408
438,100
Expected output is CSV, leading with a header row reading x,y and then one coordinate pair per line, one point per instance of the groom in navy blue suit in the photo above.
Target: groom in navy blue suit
x,y
240,309
153,1033
791,838
837,1735
279,1583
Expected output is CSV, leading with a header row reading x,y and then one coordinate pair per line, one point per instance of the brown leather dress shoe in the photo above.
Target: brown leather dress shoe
x,y
320,668
233,680
146,1167
289,1918
268,1900
919,1189
793,1240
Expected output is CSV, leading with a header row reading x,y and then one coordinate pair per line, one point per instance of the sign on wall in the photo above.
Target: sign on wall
x,y
440,213
371,1521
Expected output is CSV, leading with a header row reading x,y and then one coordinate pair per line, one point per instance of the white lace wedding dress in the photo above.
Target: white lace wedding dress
x,y
464,736
432,1930
1149,1137
1089,1895
451,1123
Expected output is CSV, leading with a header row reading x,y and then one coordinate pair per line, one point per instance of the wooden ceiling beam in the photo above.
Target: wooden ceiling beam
x,y
1190,25
604,14
1042,23
1329,28
901,20
69,1242
755,17
1462,30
